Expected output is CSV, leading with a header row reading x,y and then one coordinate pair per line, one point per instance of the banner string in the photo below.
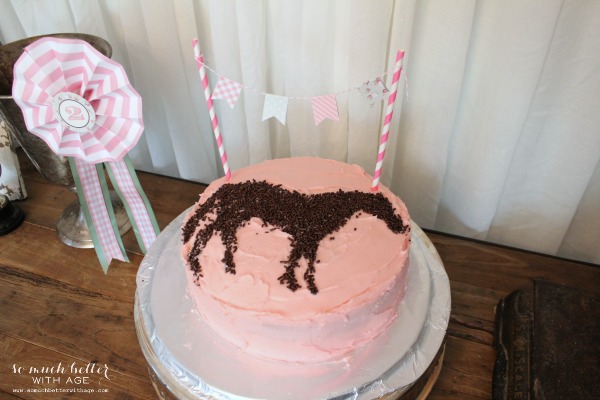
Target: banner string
x,y
257,91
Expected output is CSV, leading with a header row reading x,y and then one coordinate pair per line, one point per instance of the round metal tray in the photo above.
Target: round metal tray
x,y
188,361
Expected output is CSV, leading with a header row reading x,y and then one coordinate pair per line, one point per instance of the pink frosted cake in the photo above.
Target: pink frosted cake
x,y
297,259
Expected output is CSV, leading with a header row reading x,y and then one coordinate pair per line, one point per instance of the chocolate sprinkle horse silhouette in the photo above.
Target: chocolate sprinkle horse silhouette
x,y
308,219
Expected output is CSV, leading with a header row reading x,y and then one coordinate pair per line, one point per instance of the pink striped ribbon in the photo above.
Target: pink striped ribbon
x,y
140,219
211,110
388,118
101,215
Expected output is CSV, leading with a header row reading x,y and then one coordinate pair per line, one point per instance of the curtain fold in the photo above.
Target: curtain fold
x,y
496,130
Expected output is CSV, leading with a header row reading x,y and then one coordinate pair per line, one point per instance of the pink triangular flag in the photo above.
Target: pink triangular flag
x,y
228,90
325,107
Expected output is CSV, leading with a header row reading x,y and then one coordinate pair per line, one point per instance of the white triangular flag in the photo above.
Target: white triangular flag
x,y
275,106
373,90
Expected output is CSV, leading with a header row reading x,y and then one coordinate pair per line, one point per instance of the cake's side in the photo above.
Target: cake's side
x,y
279,292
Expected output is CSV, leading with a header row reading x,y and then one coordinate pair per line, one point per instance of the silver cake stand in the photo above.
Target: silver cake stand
x,y
187,360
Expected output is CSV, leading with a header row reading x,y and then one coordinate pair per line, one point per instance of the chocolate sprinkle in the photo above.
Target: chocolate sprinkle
x,y
308,219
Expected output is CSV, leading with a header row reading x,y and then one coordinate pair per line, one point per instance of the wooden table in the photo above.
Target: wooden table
x,y
58,309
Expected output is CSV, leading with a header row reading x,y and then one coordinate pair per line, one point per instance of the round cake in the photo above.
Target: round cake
x,y
297,259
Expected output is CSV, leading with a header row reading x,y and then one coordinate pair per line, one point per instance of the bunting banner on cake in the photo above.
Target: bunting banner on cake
x,y
276,106
323,107
82,105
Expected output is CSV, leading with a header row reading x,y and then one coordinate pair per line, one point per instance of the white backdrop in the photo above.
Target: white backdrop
x,y
498,137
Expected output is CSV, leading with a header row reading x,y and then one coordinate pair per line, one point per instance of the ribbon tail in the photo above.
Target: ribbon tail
x,y
94,199
142,218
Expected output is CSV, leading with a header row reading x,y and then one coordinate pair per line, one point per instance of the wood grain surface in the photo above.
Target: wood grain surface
x,y
59,310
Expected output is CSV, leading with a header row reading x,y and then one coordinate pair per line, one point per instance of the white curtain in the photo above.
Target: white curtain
x,y
496,135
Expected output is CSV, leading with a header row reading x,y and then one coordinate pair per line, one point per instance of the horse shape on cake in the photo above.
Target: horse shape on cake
x,y
306,218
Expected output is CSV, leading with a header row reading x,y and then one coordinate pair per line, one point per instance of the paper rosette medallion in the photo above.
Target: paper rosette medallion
x,y
83,106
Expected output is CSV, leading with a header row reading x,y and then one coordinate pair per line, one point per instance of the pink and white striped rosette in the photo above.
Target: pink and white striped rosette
x,y
385,131
77,100
82,105
211,109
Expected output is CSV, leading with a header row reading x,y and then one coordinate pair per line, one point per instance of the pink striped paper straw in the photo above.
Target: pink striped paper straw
x,y
388,118
211,109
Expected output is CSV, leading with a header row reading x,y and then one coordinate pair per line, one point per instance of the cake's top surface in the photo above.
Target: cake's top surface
x,y
281,269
